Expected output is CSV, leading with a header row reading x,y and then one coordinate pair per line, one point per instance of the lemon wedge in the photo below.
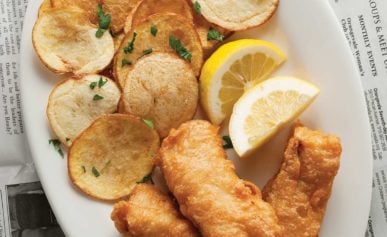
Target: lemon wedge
x,y
263,110
231,70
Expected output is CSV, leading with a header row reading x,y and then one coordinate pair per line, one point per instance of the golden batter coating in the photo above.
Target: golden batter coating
x,y
149,212
207,188
300,191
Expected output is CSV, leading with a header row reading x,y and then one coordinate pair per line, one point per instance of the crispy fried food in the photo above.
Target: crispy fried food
x,y
45,6
71,107
89,6
207,188
112,155
237,15
119,11
65,41
149,212
145,8
140,39
163,88
300,191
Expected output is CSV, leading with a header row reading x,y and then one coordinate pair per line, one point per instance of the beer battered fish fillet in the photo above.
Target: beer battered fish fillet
x,y
300,191
207,188
149,212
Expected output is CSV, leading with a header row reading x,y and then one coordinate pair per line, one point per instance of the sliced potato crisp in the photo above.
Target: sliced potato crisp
x,y
112,155
75,103
163,88
119,11
45,6
65,41
149,7
175,34
89,6
236,15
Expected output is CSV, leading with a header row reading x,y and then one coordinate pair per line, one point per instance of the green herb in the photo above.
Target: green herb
x,y
84,169
97,97
130,47
154,30
103,21
197,7
67,139
149,123
214,35
56,143
147,51
175,44
93,85
102,82
126,62
95,172
228,143
146,179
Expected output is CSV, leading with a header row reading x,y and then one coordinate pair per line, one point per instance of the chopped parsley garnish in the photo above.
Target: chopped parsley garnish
x,y
97,97
93,85
102,82
145,179
130,47
197,7
84,169
56,143
175,44
154,30
214,35
147,51
149,123
227,142
126,62
95,172
103,21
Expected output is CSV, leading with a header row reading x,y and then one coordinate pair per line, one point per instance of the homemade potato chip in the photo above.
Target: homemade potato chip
x,y
236,15
119,11
46,5
146,8
175,34
112,155
89,6
162,88
66,41
75,103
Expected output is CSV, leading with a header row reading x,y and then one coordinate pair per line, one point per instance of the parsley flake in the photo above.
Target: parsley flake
x,y
228,143
126,62
93,85
176,44
197,7
145,179
154,30
102,82
56,143
95,172
147,51
103,21
214,35
97,97
130,47
149,123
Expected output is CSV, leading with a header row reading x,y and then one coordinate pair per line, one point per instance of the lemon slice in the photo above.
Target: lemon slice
x,y
232,69
265,109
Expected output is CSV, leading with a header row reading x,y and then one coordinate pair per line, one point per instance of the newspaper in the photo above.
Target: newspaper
x,y
365,26
24,210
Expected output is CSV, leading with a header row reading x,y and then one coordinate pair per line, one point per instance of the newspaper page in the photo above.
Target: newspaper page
x,y
365,26
24,209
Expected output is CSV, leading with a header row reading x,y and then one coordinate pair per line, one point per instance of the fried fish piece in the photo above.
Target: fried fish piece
x,y
300,191
207,188
149,212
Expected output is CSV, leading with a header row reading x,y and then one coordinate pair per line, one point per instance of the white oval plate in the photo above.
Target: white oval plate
x,y
308,32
